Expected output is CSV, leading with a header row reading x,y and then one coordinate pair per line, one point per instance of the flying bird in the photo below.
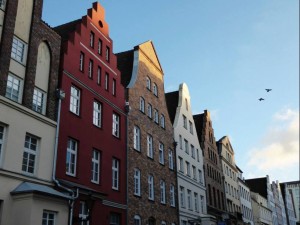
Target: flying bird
x,y
260,99
268,90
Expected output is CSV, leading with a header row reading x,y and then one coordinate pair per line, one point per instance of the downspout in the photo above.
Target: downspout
x,y
61,95
127,109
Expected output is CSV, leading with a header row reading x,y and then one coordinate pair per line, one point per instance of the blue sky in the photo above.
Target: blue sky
x,y
227,52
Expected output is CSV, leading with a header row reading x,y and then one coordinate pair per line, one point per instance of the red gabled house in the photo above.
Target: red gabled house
x,y
91,156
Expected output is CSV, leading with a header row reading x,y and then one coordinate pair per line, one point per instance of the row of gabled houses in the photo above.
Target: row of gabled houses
x,y
90,137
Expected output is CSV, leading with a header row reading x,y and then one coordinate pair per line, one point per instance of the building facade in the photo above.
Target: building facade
x,y
190,177
212,164
294,188
29,62
152,186
279,204
288,204
262,214
92,136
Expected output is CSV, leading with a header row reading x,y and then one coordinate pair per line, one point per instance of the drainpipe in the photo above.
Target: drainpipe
x,y
61,95
127,110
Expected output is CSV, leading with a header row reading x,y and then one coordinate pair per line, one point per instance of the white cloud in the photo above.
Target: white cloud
x,y
278,152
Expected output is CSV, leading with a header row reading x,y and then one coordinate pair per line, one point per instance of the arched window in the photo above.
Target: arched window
x,y
162,121
142,104
155,91
148,83
137,220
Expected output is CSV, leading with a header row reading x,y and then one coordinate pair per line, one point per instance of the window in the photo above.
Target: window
x,y
81,62
92,38
71,157
142,104
83,213
114,90
114,219
115,174
186,146
2,4
150,187
95,166
149,146
13,88
189,199
107,54
155,89
99,46
187,168
193,151
196,201
29,155
106,81
172,195
116,125
163,222
156,116
161,153
1,140
191,127
198,159
182,197
186,104
149,110
171,163
200,176
75,100
194,172
99,72
180,164
137,182
91,66
18,50
48,218
180,141
137,220
97,114
184,121
162,192
38,101
162,121
148,83
137,138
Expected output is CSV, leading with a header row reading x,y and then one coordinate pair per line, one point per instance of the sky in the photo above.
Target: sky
x,y
228,53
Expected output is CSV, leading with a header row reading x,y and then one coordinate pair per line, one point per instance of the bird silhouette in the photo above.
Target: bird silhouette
x,y
268,90
260,99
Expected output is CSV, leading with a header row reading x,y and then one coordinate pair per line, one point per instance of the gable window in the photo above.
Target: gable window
x,y
115,174
161,153
95,167
106,81
184,121
171,163
38,101
81,62
99,46
29,154
150,187
48,218
116,125
13,88
83,213
114,87
155,116
99,75
18,50
155,92
162,192
107,54
91,66
172,195
75,100
149,146
71,157
137,182
162,121
149,110
148,83
97,114
142,104
92,38
137,138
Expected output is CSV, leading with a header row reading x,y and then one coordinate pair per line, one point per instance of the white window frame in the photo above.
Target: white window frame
x,y
161,153
142,104
155,91
137,138
14,85
150,187
150,146
19,50
71,158
97,114
115,174
137,182
182,196
39,101
162,192
91,68
75,100
30,154
46,217
116,125
137,220
149,110
83,213
156,116
148,83
81,61
172,195
171,161
96,157
162,121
